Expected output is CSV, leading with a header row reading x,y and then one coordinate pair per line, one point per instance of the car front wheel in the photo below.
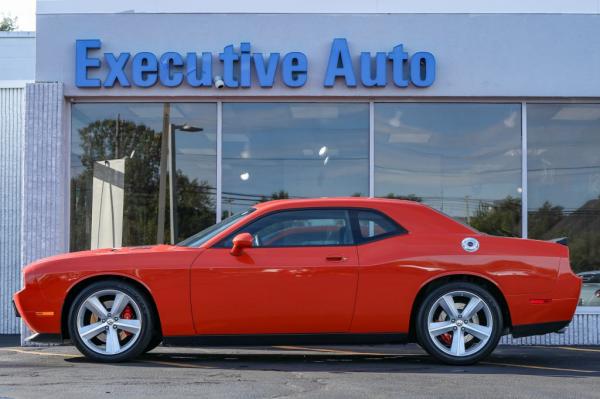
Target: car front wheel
x,y
459,323
111,321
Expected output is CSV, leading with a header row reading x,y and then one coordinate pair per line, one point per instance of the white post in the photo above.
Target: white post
x,y
371,149
219,160
524,216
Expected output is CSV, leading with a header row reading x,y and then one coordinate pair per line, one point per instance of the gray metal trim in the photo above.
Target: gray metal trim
x,y
524,172
371,149
219,205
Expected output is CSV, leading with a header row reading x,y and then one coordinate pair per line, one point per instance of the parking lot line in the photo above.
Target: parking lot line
x,y
40,353
344,352
175,364
577,349
65,355
531,366
518,365
335,352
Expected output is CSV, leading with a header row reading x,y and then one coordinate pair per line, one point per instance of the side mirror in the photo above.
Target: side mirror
x,y
241,241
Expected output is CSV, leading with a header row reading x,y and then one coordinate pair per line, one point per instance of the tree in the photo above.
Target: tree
x,y
278,195
195,206
101,140
543,219
502,218
8,24
409,197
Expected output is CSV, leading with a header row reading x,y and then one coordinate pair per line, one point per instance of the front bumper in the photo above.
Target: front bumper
x,y
39,315
45,338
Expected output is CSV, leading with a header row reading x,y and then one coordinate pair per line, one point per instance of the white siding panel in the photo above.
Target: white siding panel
x,y
583,330
11,136
44,223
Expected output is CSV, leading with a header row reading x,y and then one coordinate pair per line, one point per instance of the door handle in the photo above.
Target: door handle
x,y
336,258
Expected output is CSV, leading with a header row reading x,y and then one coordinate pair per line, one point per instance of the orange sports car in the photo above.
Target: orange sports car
x,y
317,271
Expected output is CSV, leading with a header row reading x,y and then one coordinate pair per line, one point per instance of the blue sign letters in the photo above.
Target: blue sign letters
x,y
240,66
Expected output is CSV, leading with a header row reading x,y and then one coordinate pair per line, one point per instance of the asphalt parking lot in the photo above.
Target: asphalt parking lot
x,y
306,372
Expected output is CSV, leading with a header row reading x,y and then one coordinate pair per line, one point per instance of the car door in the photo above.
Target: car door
x,y
299,276
386,253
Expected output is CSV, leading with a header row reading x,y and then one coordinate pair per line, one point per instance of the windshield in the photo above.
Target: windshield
x,y
200,238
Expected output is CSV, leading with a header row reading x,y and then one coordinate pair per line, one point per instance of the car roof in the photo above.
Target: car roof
x,y
335,202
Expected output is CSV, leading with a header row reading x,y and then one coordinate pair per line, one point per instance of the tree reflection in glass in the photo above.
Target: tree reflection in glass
x,y
564,178
133,131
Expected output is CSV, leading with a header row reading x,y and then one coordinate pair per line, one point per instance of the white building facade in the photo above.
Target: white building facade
x,y
489,113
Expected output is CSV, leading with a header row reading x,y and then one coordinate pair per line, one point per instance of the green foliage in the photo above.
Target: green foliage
x,y
101,140
585,251
582,227
502,218
278,195
195,206
8,24
281,194
543,219
409,197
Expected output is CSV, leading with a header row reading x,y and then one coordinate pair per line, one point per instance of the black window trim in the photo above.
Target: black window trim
x,y
360,240
357,238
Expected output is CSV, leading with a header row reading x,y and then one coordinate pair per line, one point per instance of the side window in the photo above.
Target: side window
x,y
374,225
299,228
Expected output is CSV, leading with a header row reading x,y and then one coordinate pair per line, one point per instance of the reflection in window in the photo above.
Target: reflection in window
x,y
118,152
316,227
291,150
564,178
373,225
463,159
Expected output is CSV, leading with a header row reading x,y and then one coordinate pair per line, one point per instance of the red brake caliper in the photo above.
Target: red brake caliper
x,y
446,338
127,314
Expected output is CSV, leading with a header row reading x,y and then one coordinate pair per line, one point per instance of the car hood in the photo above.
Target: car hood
x,y
49,262
103,251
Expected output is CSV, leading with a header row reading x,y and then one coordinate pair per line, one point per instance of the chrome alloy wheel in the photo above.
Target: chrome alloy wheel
x,y
460,323
109,322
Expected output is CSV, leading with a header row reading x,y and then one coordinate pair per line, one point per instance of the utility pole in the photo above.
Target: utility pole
x,y
467,205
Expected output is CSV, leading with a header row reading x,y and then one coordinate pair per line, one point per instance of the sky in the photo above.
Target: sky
x,y
24,10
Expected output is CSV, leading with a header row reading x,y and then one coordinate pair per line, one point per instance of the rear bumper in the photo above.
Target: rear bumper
x,y
525,312
527,330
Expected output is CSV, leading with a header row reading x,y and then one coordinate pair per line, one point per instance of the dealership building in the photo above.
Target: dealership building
x,y
147,123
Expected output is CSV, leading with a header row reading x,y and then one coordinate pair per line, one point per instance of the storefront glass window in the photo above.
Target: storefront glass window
x,y
117,198
564,184
293,150
463,159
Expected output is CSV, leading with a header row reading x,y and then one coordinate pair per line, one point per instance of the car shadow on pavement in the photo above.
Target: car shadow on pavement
x,y
536,362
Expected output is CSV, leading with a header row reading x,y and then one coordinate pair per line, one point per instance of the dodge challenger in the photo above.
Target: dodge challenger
x,y
311,271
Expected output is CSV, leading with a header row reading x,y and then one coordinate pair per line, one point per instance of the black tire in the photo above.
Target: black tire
x,y
154,342
481,350
146,317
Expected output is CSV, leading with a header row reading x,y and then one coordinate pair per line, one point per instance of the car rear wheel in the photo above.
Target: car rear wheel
x,y
459,323
111,321
154,342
